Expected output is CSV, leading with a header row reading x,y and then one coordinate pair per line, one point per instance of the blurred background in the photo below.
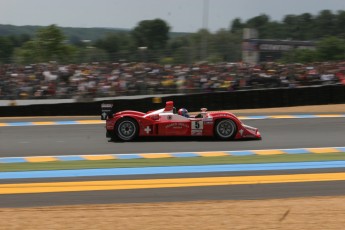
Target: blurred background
x,y
61,62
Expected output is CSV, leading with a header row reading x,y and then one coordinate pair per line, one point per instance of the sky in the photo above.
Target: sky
x,y
181,15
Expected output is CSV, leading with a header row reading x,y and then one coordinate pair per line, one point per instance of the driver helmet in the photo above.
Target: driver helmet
x,y
183,112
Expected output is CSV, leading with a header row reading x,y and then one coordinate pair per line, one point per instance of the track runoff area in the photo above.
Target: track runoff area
x,y
96,167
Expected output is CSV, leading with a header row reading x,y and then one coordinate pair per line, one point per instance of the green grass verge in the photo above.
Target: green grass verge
x,y
59,165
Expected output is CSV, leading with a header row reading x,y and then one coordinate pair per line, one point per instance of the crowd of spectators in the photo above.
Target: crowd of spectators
x,y
53,81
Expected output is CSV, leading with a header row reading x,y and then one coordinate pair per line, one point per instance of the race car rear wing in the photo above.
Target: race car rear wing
x,y
107,111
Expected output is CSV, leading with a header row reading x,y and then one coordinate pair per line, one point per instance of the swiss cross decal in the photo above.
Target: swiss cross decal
x,y
147,129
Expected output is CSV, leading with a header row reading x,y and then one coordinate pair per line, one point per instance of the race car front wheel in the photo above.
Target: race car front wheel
x,y
126,129
225,129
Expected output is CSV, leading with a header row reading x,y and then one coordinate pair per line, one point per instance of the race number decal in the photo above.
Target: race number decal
x,y
199,125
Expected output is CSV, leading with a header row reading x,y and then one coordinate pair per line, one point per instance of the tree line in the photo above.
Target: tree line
x,y
150,41
327,29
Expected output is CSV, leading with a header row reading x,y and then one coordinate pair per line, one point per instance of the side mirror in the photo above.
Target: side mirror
x,y
203,112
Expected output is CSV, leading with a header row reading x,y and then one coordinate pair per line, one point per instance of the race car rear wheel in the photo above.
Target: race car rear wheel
x,y
225,129
126,129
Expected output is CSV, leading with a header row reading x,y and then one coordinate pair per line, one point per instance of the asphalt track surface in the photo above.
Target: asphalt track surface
x,y
90,139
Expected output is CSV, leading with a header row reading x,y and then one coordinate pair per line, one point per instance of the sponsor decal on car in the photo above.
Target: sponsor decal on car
x,y
208,119
222,115
177,125
195,132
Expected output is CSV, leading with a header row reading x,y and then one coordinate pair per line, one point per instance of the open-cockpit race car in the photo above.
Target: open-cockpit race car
x,y
127,125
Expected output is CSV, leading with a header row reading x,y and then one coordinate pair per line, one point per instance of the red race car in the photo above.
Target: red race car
x,y
127,125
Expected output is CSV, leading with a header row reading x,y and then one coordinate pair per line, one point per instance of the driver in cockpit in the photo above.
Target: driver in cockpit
x,y
183,112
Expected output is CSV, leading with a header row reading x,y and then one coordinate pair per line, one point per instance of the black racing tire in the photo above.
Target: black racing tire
x,y
225,129
126,129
